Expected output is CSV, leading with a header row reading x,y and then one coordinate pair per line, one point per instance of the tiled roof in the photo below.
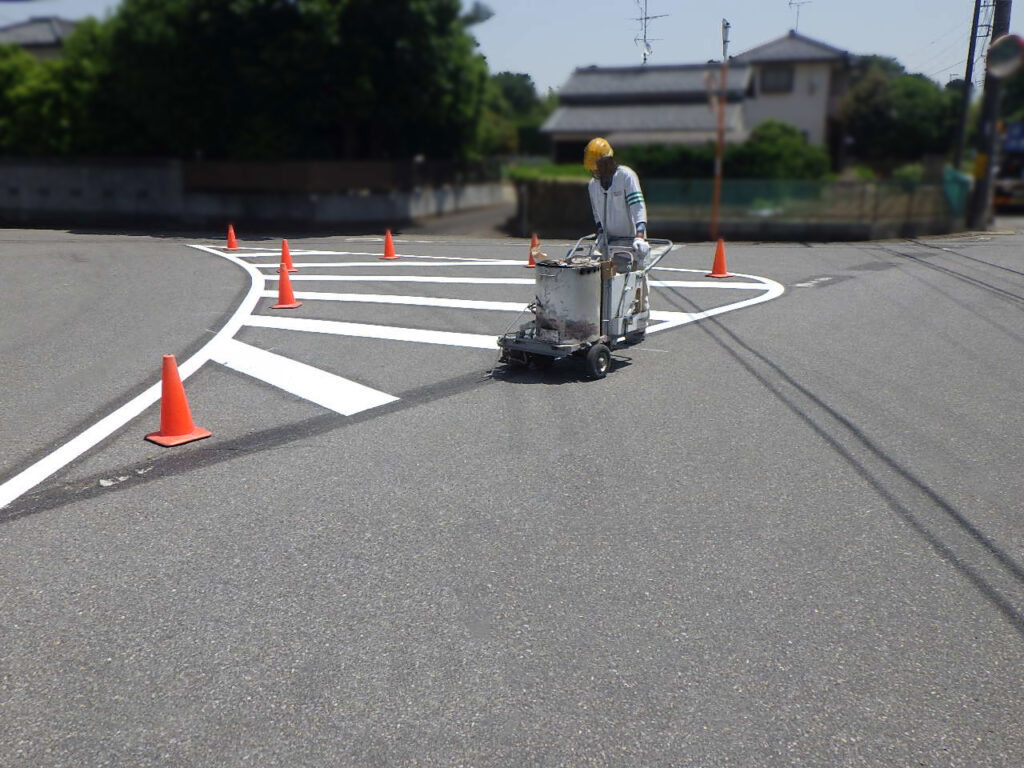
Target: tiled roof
x,y
593,85
37,31
791,47
638,118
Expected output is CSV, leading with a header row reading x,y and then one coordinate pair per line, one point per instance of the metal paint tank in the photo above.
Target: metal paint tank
x,y
568,302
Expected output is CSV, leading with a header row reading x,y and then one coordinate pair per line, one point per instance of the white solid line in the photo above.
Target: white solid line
x,y
772,290
409,279
421,301
367,331
334,392
399,263
274,252
698,284
30,477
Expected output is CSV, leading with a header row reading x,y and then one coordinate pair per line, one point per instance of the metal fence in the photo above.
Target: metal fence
x,y
763,209
807,201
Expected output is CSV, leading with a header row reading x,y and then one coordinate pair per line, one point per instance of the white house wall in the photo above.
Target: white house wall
x,y
805,107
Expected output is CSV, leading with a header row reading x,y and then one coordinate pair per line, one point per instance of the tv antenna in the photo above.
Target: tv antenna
x,y
796,4
642,39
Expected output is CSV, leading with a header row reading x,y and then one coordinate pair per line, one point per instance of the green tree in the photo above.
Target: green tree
x,y
56,105
497,132
924,115
669,162
776,150
17,69
519,93
288,79
523,109
893,120
865,65
1012,100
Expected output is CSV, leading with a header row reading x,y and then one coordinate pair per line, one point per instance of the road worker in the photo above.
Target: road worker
x,y
619,212
616,198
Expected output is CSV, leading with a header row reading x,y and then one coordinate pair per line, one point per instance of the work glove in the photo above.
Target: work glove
x,y
642,249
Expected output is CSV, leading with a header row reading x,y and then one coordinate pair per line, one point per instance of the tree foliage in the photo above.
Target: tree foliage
x,y
255,79
19,73
1012,101
864,65
777,150
893,118
518,111
774,150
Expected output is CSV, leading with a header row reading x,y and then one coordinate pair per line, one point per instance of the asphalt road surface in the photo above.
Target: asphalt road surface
x,y
786,530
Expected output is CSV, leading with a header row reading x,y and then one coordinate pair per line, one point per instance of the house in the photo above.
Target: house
x,y
42,36
799,81
793,78
644,105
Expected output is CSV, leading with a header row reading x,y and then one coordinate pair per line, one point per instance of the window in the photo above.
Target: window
x,y
777,78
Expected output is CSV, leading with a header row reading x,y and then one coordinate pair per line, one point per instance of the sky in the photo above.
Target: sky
x,y
548,39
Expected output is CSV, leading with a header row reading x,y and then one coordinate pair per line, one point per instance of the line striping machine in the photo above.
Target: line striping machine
x,y
587,304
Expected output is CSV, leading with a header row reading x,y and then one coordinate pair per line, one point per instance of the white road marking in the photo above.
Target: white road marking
x,y
421,301
268,252
770,290
334,392
812,283
317,385
697,284
409,279
30,477
368,331
397,263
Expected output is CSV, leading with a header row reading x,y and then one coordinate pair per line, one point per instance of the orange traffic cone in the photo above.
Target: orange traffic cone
x,y
389,247
286,258
176,425
285,297
718,268
232,242
534,245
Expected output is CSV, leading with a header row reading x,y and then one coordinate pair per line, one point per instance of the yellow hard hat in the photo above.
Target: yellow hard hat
x,y
596,149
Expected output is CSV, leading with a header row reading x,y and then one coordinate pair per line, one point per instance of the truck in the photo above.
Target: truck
x,y
1009,182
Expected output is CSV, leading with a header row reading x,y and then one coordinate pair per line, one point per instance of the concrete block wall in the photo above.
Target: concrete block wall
x,y
128,194
562,209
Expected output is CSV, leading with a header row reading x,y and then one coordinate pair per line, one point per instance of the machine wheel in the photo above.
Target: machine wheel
x,y
635,337
598,361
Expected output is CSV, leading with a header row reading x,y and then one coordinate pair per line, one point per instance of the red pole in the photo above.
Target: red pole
x,y
716,199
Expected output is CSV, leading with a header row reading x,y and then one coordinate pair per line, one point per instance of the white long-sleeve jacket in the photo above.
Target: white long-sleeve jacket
x,y
620,209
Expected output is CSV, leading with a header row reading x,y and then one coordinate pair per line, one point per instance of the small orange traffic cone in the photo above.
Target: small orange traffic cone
x,y
285,297
176,425
389,247
534,245
718,268
286,258
232,242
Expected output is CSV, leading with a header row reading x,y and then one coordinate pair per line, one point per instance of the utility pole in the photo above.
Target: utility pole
x,y
988,135
965,102
716,199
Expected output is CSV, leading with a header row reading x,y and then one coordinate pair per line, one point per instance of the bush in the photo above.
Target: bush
x,y
775,150
521,172
658,161
909,176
